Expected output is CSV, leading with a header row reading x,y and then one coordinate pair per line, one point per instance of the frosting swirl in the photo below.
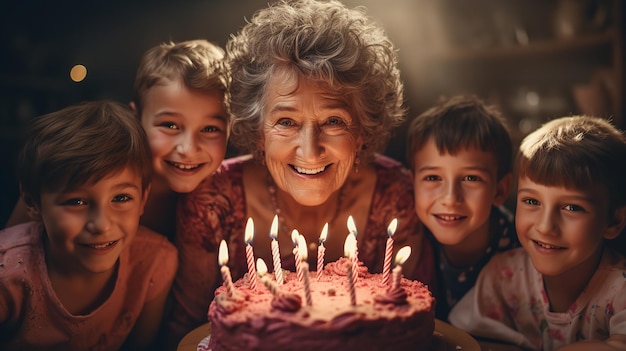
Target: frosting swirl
x,y
287,302
395,296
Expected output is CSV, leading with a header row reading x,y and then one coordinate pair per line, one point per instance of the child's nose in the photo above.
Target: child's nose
x,y
546,224
452,194
186,143
99,220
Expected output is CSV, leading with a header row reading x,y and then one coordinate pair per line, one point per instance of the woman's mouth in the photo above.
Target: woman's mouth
x,y
309,171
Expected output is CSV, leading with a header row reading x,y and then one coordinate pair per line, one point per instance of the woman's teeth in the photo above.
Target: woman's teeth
x,y
309,171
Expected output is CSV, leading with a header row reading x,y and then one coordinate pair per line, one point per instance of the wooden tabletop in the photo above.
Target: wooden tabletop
x,y
447,338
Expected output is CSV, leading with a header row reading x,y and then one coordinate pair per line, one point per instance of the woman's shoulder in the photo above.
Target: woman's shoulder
x,y
389,170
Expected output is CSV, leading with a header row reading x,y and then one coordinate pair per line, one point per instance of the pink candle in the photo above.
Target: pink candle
x,y
294,238
401,257
391,229
348,250
321,250
355,256
304,268
262,272
226,277
249,236
278,270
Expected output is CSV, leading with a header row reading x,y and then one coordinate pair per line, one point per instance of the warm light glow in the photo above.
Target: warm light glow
x,y
223,253
274,228
249,231
351,225
294,237
302,252
391,229
349,246
403,254
324,233
261,267
78,73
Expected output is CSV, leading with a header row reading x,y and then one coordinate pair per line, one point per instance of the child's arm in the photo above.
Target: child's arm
x,y
147,325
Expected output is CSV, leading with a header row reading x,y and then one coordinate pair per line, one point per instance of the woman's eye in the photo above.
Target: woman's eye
x,y
285,122
336,121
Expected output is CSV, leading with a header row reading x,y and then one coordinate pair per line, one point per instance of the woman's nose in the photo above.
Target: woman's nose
x,y
310,143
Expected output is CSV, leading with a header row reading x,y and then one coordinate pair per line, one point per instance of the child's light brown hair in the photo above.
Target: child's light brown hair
x,y
576,152
82,144
460,123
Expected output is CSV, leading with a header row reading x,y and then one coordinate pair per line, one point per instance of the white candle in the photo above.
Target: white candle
x,y
401,257
304,268
321,250
249,236
226,277
348,250
355,256
294,238
262,272
278,270
391,229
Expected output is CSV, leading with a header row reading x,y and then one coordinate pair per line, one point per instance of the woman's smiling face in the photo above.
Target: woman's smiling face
x,y
309,139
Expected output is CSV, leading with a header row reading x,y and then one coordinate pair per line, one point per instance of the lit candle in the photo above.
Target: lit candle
x,y
294,238
348,250
278,270
304,268
249,236
321,250
355,257
223,260
391,229
261,269
401,257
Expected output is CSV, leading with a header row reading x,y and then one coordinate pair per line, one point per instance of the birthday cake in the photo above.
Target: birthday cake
x,y
331,316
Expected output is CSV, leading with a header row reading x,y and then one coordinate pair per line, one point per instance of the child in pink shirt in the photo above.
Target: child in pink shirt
x,y
566,288
85,275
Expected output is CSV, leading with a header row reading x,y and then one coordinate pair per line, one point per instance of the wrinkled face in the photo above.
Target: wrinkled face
x,y
454,193
561,229
187,131
90,225
309,140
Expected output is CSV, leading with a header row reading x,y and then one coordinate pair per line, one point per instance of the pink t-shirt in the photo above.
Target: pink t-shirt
x,y
36,319
509,303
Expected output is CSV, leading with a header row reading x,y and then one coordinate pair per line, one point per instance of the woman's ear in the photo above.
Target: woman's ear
x,y
503,189
616,224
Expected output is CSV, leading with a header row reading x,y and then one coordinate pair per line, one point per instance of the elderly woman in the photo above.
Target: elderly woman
x,y
314,94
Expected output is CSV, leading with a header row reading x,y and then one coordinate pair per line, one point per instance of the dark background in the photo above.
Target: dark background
x,y
513,53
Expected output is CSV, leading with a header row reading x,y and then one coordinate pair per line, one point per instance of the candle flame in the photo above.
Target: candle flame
x,y
351,225
274,228
302,252
294,237
249,235
223,253
324,233
349,246
403,254
261,267
391,229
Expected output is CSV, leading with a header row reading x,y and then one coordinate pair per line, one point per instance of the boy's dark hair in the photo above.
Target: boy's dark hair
x,y
576,152
462,122
82,144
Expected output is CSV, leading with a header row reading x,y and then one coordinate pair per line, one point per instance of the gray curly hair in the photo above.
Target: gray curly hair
x,y
323,41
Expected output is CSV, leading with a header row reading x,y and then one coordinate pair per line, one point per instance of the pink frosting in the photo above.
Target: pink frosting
x,y
402,319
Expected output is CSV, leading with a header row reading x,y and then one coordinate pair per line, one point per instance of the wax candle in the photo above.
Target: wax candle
x,y
355,256
321,250
278,270
226,277
248,237
401,257
261,269
348,250
294,238
391,229
303,255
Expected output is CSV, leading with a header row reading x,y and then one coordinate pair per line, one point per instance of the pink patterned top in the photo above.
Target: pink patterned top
x,y
216,210
509,303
